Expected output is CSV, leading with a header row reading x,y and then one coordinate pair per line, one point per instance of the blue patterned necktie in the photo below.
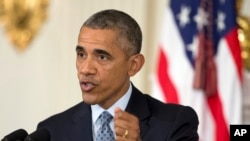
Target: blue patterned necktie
x,y
105,133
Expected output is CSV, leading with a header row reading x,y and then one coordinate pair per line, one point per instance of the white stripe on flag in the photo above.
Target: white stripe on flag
x,y
181,74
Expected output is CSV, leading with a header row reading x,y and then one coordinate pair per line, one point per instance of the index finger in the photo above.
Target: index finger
x,y
120,114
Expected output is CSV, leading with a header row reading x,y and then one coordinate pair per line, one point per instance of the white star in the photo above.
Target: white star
x,y
193,47
221,21
222,1
201,18
183,16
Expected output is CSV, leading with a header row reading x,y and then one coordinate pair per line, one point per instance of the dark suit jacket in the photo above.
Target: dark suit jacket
x,y
158,121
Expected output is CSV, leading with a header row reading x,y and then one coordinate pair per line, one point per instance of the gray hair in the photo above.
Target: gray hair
x,y
130,35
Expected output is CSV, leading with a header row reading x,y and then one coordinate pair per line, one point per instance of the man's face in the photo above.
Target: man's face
x,y
103,67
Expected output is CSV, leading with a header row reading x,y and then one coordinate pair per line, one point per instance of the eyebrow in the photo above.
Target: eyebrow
x,y
97,51
79,48
100,51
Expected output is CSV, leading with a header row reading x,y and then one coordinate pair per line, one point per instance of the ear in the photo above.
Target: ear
x,y
136,63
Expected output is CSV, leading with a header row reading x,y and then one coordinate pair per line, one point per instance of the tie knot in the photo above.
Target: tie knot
x,y
105,118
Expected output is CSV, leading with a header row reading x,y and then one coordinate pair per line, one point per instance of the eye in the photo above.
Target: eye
x,y
81,54
103,57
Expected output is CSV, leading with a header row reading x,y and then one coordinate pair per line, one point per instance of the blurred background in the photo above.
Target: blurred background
x,y
37,64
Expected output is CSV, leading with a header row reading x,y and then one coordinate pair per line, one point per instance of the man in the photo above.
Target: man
x,y
108,54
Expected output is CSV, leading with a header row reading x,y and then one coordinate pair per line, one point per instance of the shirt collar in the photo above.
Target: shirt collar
x,y
121,103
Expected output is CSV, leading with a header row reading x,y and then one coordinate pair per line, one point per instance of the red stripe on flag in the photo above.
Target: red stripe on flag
x,y
235,49
221,127
166,85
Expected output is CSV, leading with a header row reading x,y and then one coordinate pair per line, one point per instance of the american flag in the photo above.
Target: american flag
x,y
200,64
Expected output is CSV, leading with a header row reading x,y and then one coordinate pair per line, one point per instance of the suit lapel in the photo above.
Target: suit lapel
x,y
83,124
138,106
82,119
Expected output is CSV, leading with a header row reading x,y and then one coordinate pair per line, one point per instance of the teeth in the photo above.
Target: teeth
x,y
88,84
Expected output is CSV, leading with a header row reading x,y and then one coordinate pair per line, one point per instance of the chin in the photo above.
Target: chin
x,y
89,100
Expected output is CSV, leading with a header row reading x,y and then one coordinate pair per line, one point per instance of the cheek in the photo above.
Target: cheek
x,y
77,69
79,75
114,72
105,74
77,66
117,73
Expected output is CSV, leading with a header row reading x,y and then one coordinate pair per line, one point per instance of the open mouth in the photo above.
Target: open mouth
x,y
87,86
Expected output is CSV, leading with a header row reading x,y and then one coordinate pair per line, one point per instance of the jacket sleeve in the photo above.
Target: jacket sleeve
x,y
185,126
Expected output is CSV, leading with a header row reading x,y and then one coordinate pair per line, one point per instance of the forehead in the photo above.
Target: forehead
x,y
101,39
105,36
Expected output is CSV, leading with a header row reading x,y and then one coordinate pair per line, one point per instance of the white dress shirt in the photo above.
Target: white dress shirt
x,y
97,110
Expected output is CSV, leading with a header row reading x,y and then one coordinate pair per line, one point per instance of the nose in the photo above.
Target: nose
x,y
87,67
